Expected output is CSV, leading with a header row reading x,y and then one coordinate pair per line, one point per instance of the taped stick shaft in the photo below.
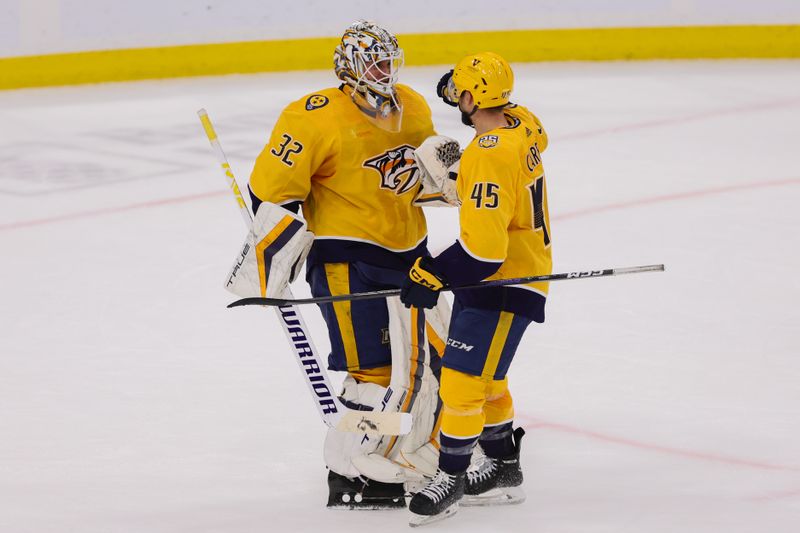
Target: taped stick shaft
x,y
226,168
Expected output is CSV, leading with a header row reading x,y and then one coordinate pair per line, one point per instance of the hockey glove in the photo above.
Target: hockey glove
x,y
422,285
437,158
446,90
274,250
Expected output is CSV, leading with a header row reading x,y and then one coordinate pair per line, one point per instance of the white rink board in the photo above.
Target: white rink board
x,y
131,400
32,27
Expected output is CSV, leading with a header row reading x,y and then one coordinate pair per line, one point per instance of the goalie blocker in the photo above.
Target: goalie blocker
x,y
273,252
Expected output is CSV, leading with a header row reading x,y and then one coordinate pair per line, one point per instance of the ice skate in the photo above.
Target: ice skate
x,y
496,481
438,500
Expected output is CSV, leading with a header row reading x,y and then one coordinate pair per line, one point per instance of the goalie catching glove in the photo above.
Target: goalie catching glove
x,y
275,249
438,160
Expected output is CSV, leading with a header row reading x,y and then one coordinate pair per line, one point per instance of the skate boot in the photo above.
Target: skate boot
x,y
438,500
496,481
363,494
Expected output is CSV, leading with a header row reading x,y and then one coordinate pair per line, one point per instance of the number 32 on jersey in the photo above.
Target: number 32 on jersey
x,y
284,151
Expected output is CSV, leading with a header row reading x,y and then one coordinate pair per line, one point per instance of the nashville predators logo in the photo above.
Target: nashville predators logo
x,y
397,167
315,101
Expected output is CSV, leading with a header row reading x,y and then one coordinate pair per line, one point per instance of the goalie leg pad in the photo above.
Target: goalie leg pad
x,y
413,388
438,323
412,456
341,447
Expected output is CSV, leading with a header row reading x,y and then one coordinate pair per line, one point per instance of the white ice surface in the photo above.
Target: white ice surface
x,y
132,401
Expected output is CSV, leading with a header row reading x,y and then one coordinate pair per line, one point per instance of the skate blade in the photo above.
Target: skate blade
x,y
357,502
423,520
390,506
504,496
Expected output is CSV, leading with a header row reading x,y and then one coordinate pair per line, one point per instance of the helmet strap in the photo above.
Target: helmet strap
x,y
466,116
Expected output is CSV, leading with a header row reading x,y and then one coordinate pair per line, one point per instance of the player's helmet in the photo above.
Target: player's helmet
x,y
368,59
487,76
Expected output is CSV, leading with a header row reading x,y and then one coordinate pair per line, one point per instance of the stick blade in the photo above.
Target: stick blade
x,y
257,300
418,520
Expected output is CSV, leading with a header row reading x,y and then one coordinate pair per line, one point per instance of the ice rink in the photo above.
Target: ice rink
x,y
132,400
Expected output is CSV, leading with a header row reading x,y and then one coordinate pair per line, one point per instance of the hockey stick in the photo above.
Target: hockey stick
x,y
493,283
332,411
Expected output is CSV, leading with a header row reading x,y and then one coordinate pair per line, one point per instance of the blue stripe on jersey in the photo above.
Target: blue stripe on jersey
x,y
256,202
460,268
344,251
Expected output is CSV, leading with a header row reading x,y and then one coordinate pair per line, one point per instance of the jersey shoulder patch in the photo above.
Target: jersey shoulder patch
x,y
488,141
315,101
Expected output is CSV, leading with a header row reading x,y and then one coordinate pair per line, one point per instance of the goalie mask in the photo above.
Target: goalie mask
x,y
368,60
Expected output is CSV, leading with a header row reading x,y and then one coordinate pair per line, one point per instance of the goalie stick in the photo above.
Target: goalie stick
x,y
493,283
330,408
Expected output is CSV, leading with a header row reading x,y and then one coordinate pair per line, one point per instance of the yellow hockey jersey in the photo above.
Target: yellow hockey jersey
x,y
504,219
501,183
356,181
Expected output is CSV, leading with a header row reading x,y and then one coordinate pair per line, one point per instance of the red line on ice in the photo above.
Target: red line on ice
x,y
562,216
110,210
536,423
765,106
675,196
569,136
772,496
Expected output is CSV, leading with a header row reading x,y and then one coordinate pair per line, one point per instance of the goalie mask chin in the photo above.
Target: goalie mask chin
x,y
368,61
384,111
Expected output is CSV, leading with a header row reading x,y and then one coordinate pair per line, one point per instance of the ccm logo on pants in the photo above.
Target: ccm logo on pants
x,y
459,345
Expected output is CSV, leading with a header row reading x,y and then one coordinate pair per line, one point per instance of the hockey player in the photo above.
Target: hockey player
x,y
344,155
504,233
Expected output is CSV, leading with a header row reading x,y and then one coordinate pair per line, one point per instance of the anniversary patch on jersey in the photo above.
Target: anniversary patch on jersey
x,y
397,167
488,141
315,101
